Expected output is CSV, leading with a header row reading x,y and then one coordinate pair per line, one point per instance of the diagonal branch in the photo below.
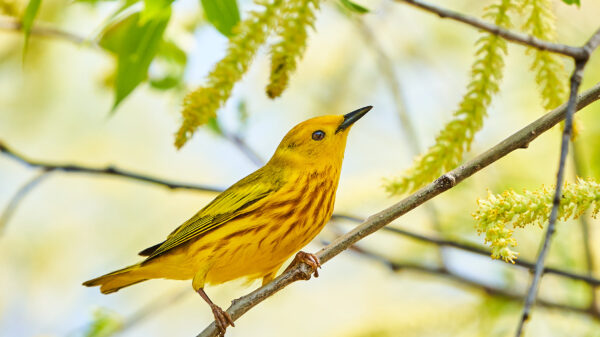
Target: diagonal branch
x,y
475,249
576,78
520,139
109,170
577,53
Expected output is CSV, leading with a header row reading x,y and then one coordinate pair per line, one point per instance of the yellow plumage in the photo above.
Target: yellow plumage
x,y
254,226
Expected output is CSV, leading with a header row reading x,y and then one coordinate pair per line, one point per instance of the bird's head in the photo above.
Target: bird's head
x,y
319,140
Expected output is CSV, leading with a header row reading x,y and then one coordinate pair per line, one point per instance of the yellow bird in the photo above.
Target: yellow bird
x,y
254,226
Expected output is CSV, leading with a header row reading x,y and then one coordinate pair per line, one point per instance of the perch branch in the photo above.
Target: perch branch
x,y
520,139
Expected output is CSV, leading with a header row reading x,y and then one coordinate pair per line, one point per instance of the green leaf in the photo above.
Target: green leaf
x,y
153,8
356,7
572,2
93,2
214,126
170,62
222,14
31,12
135,42
105,323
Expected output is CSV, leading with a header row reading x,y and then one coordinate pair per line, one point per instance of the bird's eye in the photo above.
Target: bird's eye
x,y
318,135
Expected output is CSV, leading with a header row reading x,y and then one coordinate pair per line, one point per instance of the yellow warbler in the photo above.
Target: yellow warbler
x,y
254,226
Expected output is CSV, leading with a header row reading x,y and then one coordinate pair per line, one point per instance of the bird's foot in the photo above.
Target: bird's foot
x,y
222,319
310,260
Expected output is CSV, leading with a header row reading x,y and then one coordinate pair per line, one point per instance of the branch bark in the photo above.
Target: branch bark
x,y
578,53
520,139
463,281
576,78
109,170
476,249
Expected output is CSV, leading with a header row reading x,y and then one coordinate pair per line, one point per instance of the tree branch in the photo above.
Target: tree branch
x,y
18,197
520,139
109,170
564,150
578,53
246,150
464,281
476,249
585,229
388,72
16,26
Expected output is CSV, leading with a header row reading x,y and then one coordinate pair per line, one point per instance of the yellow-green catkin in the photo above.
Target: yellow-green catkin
x,y
200,105
295,18
550,73
457,135
510,209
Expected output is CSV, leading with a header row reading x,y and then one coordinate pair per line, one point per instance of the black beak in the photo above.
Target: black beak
x,y
352,117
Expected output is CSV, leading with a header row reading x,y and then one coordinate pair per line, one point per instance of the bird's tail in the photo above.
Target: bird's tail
x,y
116,280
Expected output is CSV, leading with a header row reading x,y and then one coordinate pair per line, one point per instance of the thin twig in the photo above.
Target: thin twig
x,y
16,26
18,197
476,249
585,229
241,145
152,308
388,72
109,170
564,150
462,281
375,222
577,53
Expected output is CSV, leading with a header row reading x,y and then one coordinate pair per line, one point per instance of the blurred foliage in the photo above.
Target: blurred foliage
x,y
105,323
169,66
223,14
30,13
457,136
148,48
518,210
289,19
135,40
354,7
572,2
9,7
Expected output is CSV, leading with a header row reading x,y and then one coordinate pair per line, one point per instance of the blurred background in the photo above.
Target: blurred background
x,y
55,107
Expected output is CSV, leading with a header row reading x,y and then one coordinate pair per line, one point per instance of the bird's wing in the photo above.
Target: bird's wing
x,y
232,202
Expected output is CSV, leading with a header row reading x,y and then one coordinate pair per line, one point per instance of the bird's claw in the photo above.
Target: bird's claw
x,y
309,259
222,319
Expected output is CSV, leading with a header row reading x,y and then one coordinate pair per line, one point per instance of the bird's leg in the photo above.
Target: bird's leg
x,y
222,318
310,259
